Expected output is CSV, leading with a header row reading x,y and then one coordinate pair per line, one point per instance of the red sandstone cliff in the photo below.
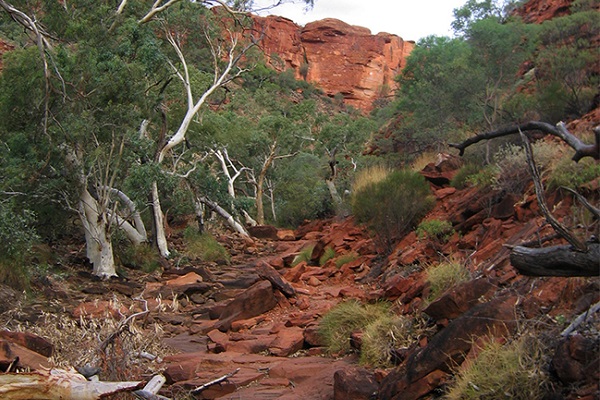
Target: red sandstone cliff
x,y
335,56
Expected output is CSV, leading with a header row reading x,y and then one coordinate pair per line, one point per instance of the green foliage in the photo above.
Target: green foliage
x,y
301,191
513,370
512,169
205,247
328,254
461,179
435,229
572,175
338,324
305,255
142,256
345,259
444,276
16,238
393,206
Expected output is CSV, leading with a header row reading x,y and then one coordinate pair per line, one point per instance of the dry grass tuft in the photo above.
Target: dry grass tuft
x,y
511,371
369,176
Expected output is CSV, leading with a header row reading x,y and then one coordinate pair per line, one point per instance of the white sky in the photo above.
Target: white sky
x,y
409,19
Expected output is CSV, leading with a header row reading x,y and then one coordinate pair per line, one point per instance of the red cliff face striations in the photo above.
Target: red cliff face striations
x,y
335,56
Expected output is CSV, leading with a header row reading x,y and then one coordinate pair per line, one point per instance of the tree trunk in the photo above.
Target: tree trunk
x,y
556,261
96,225
335,197
159,223
235,225
260,208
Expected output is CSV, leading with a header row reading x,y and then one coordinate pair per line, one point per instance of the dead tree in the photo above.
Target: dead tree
x,y
578,258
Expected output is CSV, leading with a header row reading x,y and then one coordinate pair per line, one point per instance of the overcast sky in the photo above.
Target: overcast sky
x,y
409,19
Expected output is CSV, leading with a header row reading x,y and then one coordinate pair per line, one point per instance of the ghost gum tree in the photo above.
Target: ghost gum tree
x,y
84,98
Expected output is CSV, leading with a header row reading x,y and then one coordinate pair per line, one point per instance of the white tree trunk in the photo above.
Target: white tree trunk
x,y
135,232
159,223
97,236
235,225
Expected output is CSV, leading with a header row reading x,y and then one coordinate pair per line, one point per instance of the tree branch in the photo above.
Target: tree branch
x,y
581,149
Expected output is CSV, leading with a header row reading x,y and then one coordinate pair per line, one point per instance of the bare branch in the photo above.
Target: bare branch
x,y
539,192
581,149
214,382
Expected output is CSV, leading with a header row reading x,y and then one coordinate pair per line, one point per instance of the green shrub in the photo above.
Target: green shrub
x,y
16,239
142,256
338,324
461,179
443,276
381,337
513,174
204,246
392,206
435,229
511,371
485,178
571,174
328,254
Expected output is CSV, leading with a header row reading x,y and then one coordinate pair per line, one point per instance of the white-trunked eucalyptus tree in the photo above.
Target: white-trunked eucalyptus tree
x,y
81,79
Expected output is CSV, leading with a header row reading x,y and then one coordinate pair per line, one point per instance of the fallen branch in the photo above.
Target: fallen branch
x,y
58,384
122,326
580,319
149,392
556,261
214,382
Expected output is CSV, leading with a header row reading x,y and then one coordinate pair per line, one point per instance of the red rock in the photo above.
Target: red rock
x,y
577,360
329,46
460,299
287,342
354,384
30,341
254,301
286,235
444,192
99,309
418,376
269,273
26,358
186,279
263,232
313,281
294,273
312,337
247,323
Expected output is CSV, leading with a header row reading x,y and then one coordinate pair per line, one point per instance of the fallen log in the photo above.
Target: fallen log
x,y
58,384
556,261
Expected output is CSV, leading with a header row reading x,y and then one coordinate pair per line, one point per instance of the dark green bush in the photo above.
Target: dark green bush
x,y
393,206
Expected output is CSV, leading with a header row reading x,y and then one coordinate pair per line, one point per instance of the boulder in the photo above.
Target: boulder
x,y
256,300
30,341
460,299
353,384
577,359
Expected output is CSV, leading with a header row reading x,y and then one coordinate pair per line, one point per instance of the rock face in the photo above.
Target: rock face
x,y
538,11
335,56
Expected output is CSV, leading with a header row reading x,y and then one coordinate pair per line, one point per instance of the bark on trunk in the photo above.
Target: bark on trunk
x,y
96,225
556,261
159,223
